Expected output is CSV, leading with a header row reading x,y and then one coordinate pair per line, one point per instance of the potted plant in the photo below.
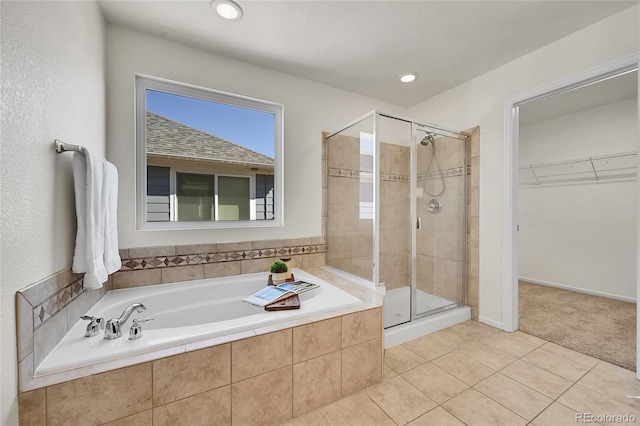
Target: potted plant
x,y
279,271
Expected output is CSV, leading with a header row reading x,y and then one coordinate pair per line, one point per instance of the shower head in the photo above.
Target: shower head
x,y
429,138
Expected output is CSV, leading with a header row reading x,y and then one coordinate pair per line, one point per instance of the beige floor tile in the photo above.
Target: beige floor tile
x,y
536,378
464,368
569,354
355,410
585,400
435,382
611,380
436,417
527,338
452,337
314,418
400,400
473,408
517,397
428,347
474,330
556,415
388,373
487,329
506,343
556,364
488,355
401,359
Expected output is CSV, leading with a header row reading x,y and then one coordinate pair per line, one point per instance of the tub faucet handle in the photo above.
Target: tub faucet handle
x,y
94,326
135,332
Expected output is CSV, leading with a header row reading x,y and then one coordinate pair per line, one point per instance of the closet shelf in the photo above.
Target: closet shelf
x,y
608,167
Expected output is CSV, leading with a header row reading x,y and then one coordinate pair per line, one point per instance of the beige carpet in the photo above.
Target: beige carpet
x,y
597,326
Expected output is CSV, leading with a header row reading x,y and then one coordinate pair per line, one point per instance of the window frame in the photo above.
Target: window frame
x,y
144,83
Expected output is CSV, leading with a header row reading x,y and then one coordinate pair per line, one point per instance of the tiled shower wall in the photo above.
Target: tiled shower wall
x,y
473,219
350,239
440,239
350,236
46,310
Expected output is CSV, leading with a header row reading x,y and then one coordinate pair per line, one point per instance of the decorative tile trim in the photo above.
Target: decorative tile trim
x,y
390,177
455,171
219,257
54,304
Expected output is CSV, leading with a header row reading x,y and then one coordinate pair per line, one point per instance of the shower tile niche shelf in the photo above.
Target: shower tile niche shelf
x,y
618,166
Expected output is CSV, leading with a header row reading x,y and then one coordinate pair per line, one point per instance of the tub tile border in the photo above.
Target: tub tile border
x,y
54,304
219,257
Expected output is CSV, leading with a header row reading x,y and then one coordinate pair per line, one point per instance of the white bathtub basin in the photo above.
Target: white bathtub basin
x,y
185,312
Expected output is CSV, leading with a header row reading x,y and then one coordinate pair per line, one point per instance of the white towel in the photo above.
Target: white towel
x,y
96,189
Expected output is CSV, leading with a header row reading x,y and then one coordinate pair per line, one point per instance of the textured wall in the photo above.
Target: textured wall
x,y
309,109
52,87
481,102
584,235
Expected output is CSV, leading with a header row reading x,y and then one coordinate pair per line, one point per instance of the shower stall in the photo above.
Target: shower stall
x,y
396,218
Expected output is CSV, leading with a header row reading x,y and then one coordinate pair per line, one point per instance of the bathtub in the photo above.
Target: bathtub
x,y
182,313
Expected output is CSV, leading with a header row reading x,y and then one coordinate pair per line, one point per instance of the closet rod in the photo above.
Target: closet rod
x,y
581,160
64,147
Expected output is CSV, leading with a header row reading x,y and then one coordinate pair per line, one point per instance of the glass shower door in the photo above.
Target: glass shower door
x,y
440,202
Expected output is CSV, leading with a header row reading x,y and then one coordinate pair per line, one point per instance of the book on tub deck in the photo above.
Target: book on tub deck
x,y
271,294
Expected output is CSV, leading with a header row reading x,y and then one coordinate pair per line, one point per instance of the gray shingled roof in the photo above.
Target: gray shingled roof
x,y
169,138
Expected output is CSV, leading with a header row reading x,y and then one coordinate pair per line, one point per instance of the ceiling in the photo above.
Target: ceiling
x,y
364,46
604,92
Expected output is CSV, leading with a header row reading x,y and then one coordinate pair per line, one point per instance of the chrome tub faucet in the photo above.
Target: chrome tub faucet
x,y
113,329
94,326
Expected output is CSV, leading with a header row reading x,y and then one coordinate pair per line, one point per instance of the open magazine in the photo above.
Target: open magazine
x,y
271,294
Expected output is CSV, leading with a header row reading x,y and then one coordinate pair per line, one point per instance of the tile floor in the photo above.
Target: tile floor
x,y
474,374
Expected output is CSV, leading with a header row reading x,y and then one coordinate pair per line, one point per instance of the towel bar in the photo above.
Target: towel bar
x,y
63,147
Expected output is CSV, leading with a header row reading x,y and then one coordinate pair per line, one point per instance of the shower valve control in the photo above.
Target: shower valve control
x,y
135,332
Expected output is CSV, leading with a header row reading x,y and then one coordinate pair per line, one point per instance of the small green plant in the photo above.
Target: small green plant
x,y
278,267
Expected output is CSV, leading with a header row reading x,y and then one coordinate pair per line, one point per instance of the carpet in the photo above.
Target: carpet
x,y
597,326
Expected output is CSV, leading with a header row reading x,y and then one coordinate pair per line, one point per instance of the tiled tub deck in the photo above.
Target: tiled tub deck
x,y
278,373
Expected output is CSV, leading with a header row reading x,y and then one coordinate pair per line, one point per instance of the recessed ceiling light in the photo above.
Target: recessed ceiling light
x,y
228,9
409,77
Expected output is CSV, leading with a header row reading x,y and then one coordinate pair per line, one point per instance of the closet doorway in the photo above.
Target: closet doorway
x,y
571,222
577,217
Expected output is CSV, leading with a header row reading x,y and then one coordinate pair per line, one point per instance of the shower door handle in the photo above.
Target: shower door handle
x,y
418,223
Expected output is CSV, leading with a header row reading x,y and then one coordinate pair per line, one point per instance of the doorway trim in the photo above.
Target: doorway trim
x,y
511,163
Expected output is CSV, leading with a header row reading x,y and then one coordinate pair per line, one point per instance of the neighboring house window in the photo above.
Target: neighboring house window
x,y
206,158
195,197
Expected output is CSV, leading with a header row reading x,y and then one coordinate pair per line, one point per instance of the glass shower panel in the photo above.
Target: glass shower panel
x,y
350,199
395,211
440,210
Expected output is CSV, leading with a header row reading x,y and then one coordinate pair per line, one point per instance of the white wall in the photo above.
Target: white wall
x,y
309,109
53,86
481,102
580,235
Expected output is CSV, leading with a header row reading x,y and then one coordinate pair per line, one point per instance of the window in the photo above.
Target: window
x,y
206,159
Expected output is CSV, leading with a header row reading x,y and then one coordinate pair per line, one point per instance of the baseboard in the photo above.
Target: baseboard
x,y
578,289
490,322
